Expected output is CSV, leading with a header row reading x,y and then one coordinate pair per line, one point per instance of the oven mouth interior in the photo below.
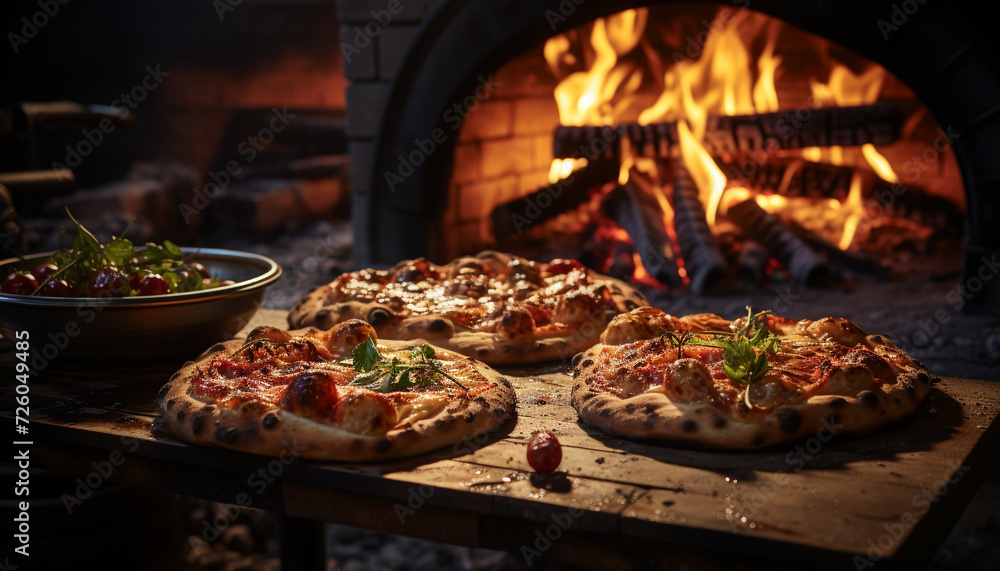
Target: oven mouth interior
x,y
689,147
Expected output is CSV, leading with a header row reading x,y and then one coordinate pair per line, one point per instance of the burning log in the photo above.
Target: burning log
x,y
640,215
799,178
751,262
622,263
878,124
854,262
703,260
792,178
915,204
802,262
513,217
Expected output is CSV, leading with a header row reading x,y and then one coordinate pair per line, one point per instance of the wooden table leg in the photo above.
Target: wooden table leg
x,y
302,544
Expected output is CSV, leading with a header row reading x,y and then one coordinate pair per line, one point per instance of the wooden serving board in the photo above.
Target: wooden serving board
x,y
886,499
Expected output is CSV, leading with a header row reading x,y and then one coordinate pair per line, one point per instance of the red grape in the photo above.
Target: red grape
x,y
43,271
544,452
133,281
58,288
106,282
153,284
20,283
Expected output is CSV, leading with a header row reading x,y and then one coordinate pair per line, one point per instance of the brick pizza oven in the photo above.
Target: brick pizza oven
x,y
450,108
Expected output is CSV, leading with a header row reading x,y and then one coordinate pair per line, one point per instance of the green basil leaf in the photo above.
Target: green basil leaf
x,y
365,355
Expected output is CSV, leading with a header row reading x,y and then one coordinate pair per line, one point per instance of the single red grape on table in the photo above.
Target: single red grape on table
x,y
544,452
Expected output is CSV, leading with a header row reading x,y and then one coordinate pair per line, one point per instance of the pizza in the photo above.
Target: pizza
x,y
499,308
335,394
761,380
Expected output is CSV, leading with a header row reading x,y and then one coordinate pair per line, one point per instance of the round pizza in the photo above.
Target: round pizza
x,y
499,308
761,380
336,394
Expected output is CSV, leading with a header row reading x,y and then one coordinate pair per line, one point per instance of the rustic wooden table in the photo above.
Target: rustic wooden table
x,y
885,500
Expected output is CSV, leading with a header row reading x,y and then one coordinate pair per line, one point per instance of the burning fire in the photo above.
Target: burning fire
x,y
600,84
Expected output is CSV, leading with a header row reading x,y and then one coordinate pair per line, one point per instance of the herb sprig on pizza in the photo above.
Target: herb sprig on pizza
x,y
337,394
745,350
749,383
382,374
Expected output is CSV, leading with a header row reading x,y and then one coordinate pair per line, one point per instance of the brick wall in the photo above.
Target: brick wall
x,y
371,47
504,147
504,150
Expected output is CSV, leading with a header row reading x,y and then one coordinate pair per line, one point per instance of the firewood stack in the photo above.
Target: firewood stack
x,y
746,148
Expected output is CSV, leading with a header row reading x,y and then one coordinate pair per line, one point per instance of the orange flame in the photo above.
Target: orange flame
x,y
725,80
854,209
845,88
562,168
593,96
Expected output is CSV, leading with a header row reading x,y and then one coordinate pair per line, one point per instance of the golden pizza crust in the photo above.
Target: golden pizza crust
x,y
851,400
261,428
514,340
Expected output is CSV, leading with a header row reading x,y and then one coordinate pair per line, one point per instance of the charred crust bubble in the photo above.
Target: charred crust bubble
x,y
181,414
163,392
630,305
604,412
378,315
171,403
757,440
469,416
321,314
270,420
499,412
198,422
789,420
837,402
383,445
923,378
226,434
877,339
576,359
437,325
718,422
630,408
911,391
250,430
868,398
217,347
651,409
586,363
689,425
